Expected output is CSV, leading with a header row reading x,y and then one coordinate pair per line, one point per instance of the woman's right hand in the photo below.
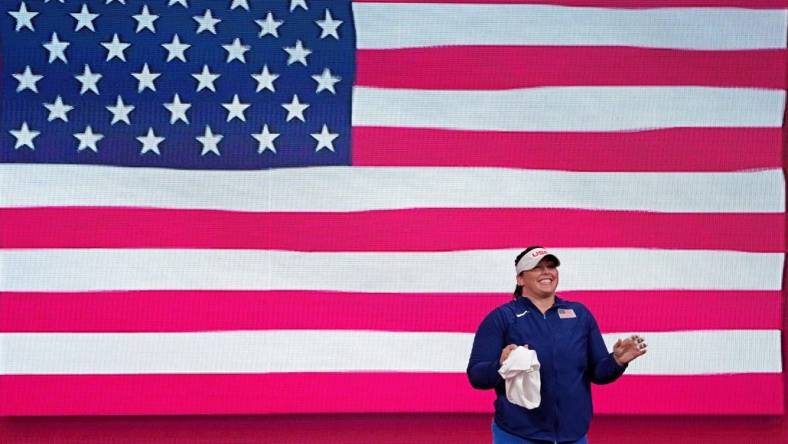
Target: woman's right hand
x,y
508,349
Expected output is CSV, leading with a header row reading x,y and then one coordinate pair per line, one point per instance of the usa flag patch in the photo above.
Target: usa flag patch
x,y
566,313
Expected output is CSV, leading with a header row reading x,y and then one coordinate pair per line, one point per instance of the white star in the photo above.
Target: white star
x,y
120,112
24,18
115,48
89,81
265,80
183,3
210,142
175,49
295,109
206,22
61,1
150,142
298,3
239,3
326,81
24,137
325,139
58,110
177,109
269,25
329,26
84,19
145,20
122,2
56,48
297,53
88,140
236,109
145,78
206,79
266,140
27,80
236,51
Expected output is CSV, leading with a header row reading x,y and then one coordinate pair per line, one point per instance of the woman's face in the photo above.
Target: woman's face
x,y
540,281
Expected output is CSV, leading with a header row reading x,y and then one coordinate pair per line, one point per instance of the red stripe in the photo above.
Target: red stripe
x,y
366,428
361,392
405,230
618,4
745,394
174,311
505,67
678,149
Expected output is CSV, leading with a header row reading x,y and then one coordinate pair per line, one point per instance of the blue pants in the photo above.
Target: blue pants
x,y
501,436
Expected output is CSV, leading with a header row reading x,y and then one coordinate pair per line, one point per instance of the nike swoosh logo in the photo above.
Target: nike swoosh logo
x,y
519,315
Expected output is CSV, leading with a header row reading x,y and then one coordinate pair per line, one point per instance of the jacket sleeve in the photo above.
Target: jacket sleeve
x,y
483,364
603,368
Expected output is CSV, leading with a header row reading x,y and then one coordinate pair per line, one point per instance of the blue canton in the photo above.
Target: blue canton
x,y
193,84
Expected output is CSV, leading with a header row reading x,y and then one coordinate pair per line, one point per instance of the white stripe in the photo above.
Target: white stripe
x,y
673,353
359,188
571,108
706,352
395,25
460,271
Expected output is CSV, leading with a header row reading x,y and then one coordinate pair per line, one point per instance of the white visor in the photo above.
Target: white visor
x,y
532,259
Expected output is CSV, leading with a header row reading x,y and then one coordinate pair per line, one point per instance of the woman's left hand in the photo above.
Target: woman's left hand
x,y
625,350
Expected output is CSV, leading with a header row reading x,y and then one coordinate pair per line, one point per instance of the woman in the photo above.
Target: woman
x,y
570,351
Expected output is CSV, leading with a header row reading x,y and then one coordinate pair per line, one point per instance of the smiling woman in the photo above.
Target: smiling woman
x,y
537,274
541,353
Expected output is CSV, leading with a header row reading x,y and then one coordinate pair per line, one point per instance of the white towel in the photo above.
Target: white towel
x,y
523,383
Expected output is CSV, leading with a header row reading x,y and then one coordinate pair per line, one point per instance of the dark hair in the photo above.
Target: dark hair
x,y
518,289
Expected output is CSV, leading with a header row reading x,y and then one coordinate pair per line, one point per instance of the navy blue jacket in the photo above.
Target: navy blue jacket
x,y
571,352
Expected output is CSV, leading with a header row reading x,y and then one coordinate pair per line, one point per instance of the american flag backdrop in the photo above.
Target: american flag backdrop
x,y
249,206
